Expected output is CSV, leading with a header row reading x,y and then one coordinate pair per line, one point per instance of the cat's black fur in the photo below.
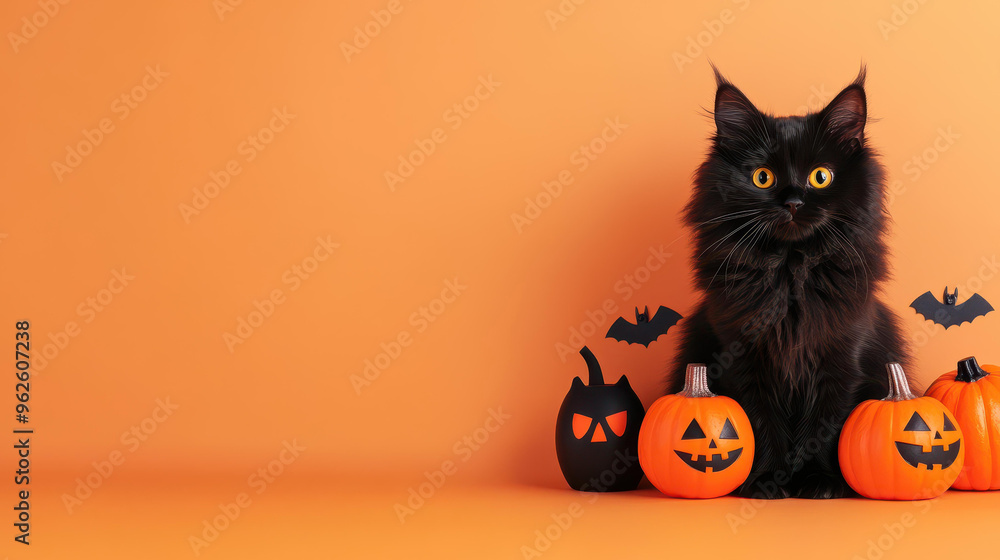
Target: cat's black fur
x,y
789,323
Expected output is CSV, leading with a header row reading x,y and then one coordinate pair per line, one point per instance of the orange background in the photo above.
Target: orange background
x,y
496,345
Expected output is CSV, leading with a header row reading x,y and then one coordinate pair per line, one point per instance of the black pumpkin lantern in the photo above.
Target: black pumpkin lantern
x,y
597,433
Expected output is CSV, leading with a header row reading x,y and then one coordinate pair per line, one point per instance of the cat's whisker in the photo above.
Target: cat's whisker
x,y
845,219
727,236
761,234
738,259
746,235
844,236
737,244
864,264
850,259
729,216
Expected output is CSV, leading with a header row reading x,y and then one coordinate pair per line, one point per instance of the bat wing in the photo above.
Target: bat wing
x,y
662,321
973,308
623,331
927,305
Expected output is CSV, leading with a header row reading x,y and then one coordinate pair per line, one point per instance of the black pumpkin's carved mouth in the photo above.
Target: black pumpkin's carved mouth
x,y
915,455
716,463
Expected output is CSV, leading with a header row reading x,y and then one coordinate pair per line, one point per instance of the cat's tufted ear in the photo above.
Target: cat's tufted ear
x,y
846,115
735,115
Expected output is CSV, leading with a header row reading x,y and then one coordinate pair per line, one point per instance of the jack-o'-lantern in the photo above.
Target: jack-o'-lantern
x,y
696,444
902,447
597,431
972,394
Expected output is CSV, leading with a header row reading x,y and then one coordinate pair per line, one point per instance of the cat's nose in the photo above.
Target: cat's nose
x,y
793,204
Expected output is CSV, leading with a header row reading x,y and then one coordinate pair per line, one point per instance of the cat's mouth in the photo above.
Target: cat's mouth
x,y
792,229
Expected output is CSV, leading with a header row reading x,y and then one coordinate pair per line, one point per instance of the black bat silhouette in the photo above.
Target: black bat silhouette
x,y
645,329
948,314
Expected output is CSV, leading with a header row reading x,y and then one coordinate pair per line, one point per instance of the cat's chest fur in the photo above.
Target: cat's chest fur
x,y
792,307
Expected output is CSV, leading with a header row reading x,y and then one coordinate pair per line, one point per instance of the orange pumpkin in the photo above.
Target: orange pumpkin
x,y
902,447
973,396
695,444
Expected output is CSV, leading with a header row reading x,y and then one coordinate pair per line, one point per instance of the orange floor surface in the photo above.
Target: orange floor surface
x,y
309,516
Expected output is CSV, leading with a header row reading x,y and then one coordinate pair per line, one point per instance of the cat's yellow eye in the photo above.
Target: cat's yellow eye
x,y
763,178
820,177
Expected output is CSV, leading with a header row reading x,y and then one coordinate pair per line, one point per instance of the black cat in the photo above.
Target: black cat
x,y
789,220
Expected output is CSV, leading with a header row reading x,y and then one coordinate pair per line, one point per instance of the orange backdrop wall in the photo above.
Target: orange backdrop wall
x,y
371,226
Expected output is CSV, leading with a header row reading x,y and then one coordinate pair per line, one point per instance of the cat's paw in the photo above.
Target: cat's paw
x,y
823,487
761,486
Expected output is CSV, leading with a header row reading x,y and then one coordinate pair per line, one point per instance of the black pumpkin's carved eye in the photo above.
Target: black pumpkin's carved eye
x,y
948,426
728,431
581,425
917,424
693,431
617,422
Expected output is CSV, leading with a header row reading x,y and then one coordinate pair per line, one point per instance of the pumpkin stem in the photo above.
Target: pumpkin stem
x,y
596,377
969,370
899,387
696,382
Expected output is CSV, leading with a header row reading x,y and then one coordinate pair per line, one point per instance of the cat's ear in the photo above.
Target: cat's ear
x,y
846,115
735,115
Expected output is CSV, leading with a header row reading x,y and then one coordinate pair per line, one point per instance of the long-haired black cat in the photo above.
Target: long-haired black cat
x,y
789,219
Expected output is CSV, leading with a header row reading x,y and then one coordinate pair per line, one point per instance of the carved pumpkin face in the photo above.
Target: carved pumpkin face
x,y
710,453
921,449
972,394
902,447
597,432
695,444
